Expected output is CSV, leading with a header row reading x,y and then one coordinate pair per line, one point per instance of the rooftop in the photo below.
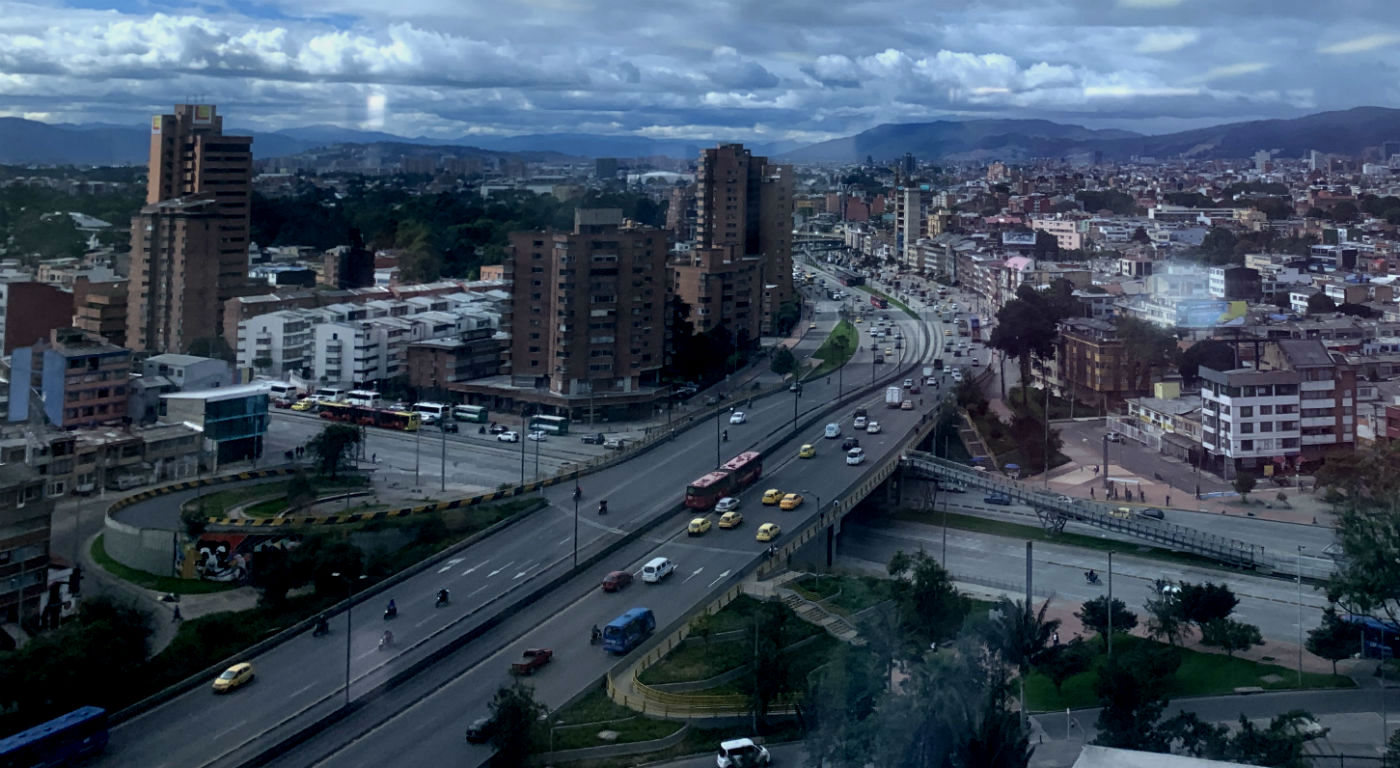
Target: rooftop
x,y
222,393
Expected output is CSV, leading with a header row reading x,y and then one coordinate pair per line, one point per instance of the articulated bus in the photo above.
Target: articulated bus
x,y
405,421
627,631
733,476
1376,639
63,740
550,425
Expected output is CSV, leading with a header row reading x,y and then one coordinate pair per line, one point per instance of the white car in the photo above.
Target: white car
x,y
833,431
859,423
509,437
908,383
855,456
742,752
536,435
873,428
737,417
727,503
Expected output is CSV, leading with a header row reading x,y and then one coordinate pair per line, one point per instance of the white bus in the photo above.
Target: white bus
x,y
282,390
473,413
328,395
432,413
363,397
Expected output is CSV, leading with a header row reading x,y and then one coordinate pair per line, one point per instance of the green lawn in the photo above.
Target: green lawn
x,y
151,581
844,594
217,503
1200,674
596,707
699,661
697,741
826,353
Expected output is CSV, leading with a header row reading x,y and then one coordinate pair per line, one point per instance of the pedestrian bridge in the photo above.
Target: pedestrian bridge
x,y
1055,510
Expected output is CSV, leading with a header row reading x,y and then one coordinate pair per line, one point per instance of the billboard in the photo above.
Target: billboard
x,y
156,121
1209,314
203,114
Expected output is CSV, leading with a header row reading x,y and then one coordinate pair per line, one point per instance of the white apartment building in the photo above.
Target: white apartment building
x,y
1249,418
275,344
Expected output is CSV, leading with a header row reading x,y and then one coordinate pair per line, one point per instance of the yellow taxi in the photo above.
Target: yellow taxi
x,y
235,676
698,526
811,326
731,519
772,496
304,405
806,451
790,501
947,332
768,532
857,319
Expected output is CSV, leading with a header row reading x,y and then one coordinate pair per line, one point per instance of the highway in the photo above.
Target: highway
x,y
1058,570
301,679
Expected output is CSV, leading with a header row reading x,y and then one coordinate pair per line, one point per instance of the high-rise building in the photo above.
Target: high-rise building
x,y
189,244
25,519
588,320
745,202
100,308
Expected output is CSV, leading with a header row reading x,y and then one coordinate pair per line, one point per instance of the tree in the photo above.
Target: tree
x,y
1020,637
299,490
1366,580
1219,242
212,346
1320,304
1132,690
930,608
334,446
1230,636
1061,662
1094,615
1146,347
838,704
1357,310
1211,353
996,738
1164,618
274,574
1392,749
789,312
1343,212
771,676
1200,603
784,362
1333,638
516,727
1025,328
1244,483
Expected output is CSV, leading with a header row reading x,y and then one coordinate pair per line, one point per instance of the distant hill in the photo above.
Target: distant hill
x,y
949,138
1345,132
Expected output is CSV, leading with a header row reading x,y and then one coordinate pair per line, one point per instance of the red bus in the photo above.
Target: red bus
x,y
879,302
708,490
746,469
371,417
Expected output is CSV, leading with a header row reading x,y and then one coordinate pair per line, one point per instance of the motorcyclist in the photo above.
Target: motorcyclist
x,y
603,507
578,492
597,633
442,596
1091,576
391,610
387,640
322,626
725,435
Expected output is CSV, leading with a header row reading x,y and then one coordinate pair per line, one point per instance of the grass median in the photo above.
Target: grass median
x,y
892,300
832,354
1200,674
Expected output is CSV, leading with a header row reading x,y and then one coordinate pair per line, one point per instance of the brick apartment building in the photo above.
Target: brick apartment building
x,y
25,516
1090,359
82,380
1326,399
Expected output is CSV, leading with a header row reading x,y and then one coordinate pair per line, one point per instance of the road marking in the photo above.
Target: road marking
x,y
468,572
692,575
302,690
221,734
522,573
718,579
478,589
502,568
565,540
450,564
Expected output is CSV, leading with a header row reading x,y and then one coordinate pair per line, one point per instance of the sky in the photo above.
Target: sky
x,y
754,70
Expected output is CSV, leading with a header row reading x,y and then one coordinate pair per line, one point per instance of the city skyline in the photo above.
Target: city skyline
x,y
759,73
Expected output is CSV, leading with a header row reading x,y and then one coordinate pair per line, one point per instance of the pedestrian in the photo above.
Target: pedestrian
x,y
1169,501
1091,492
1056,638
374,458
1142,496
177,616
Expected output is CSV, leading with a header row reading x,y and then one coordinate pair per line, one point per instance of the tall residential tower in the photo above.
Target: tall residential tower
x,y
189,244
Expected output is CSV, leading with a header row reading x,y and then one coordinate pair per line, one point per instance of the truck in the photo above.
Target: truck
x,y
893,397
533,659
928,371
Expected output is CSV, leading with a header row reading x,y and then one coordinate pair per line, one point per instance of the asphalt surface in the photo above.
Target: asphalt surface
x,y
301,679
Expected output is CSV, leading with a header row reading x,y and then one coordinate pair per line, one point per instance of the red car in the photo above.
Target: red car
x,y
616,581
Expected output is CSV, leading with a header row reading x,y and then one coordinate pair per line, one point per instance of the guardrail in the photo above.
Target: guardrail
x,y
1222,548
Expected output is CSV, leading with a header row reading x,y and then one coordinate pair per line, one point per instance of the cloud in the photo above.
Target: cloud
x,y
733,68
1166,42
1360,44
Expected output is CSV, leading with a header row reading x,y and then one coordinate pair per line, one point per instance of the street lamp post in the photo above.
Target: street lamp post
x,y
796,395
575,521
1109,607
520,437
1300,615
718,438
417,435
349,624
442,486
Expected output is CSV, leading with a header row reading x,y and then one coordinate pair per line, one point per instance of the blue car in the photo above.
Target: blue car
x,y
998,498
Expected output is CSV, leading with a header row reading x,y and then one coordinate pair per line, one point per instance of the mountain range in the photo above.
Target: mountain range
x,y
1346,132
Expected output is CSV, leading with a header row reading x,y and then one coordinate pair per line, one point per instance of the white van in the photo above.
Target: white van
x,y
657,569
329,395
282,390
363,397
432,413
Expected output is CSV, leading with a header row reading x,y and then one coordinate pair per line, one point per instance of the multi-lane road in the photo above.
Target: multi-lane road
x,y
300,680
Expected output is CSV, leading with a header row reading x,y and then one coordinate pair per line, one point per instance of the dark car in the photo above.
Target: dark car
x,y
448,426
1152,512
1000,499
594,439
479,732
616,580
849,443
497,429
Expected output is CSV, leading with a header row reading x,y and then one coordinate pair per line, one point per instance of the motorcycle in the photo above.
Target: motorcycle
x,y
322,628
442,599
578,493
595,637
603,507
387,641
392,612
1091,577
725,435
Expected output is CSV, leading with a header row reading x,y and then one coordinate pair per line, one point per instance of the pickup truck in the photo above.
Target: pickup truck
x,y
534,658
594,439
